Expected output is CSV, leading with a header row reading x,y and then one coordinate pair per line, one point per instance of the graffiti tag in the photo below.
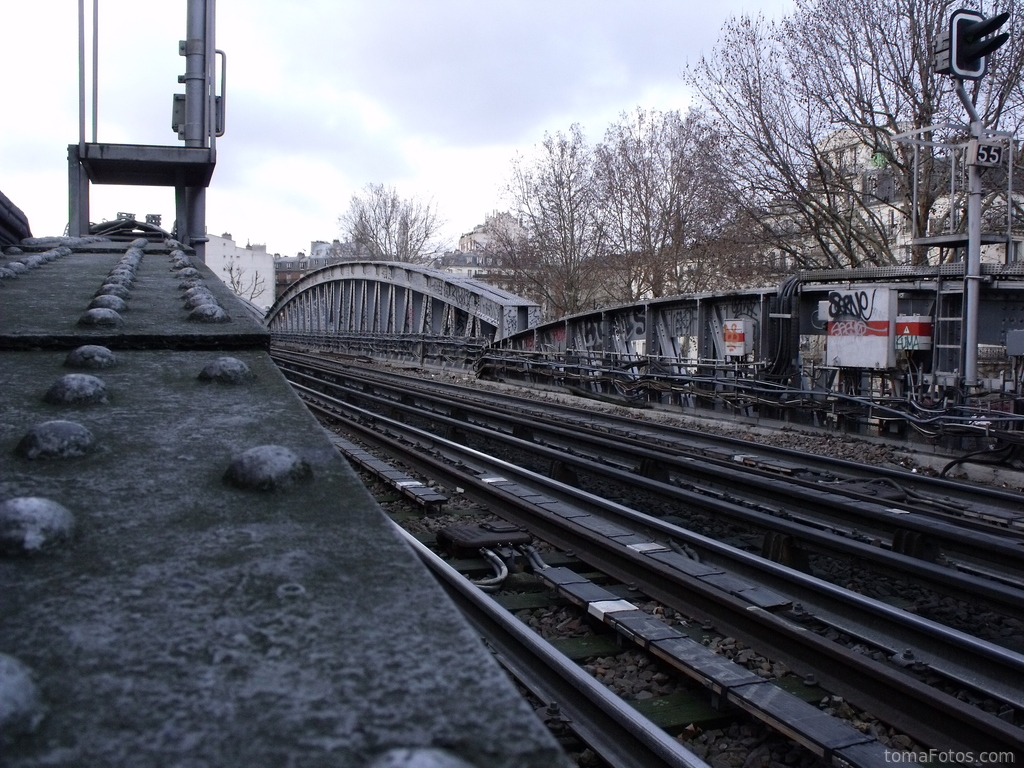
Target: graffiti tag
x,y
852,304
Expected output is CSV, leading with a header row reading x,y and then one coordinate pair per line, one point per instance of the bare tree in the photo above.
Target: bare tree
x,y
242,284
393,228
668,195
558,241
812,101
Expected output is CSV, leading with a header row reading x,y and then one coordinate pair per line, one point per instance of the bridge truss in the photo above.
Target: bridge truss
x,y
397,310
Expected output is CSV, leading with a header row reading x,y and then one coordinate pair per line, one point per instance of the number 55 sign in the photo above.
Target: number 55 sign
x,y
988,155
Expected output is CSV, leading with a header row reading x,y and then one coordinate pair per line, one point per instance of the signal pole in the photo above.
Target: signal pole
x,y
961,51
972,269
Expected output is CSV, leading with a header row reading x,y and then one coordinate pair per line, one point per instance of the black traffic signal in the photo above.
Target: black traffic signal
x,y
969,42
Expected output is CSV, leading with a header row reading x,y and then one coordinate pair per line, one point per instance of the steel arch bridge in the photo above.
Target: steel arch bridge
x,y
367,302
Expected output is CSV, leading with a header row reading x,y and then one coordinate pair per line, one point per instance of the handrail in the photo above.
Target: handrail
x,y
221,116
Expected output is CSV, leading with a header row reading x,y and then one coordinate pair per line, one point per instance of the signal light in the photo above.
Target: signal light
x,y
970,44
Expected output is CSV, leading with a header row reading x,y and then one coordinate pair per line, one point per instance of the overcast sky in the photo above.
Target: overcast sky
x,y
435,97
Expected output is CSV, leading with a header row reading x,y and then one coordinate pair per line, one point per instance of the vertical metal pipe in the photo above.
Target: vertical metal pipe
x,y
197,81
195,74
81,74
95,66
196,206
1012,151
972,274
972,270
211,66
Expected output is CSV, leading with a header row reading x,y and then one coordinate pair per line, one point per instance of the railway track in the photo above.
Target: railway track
x,y
910,675
982,507
840,516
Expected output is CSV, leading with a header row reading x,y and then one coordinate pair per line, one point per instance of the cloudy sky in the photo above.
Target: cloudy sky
x,y
435,97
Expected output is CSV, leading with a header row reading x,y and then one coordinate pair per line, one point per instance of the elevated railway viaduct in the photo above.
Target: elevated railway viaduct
x,y
868,350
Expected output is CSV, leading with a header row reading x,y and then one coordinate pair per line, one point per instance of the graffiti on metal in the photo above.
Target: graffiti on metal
x,y
682,321
631,326
852,313
743,306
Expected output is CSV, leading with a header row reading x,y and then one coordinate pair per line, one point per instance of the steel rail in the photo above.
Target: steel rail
x,y
869,515
683,440
1005,599
928,715
614,730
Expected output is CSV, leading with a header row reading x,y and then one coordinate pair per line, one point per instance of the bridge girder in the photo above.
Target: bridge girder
x,y
376,297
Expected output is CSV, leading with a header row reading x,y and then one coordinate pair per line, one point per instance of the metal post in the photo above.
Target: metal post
x,y
78,181
81,73
195,74
95,66
972,274
195,203
972,270
78,195
198,31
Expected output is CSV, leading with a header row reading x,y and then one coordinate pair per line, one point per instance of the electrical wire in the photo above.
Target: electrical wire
x,y
492,584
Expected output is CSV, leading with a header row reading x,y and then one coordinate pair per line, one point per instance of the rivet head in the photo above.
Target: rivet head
x,y
418,757
55,440
198,290
267,468
190,282
91,356
120,278
109,302
291,591
77,389
21,706
227,370
30,525
199,298
209,313
101,317
187,272
113,289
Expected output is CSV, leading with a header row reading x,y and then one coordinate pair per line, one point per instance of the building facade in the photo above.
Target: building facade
x,y
288,269
248,271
